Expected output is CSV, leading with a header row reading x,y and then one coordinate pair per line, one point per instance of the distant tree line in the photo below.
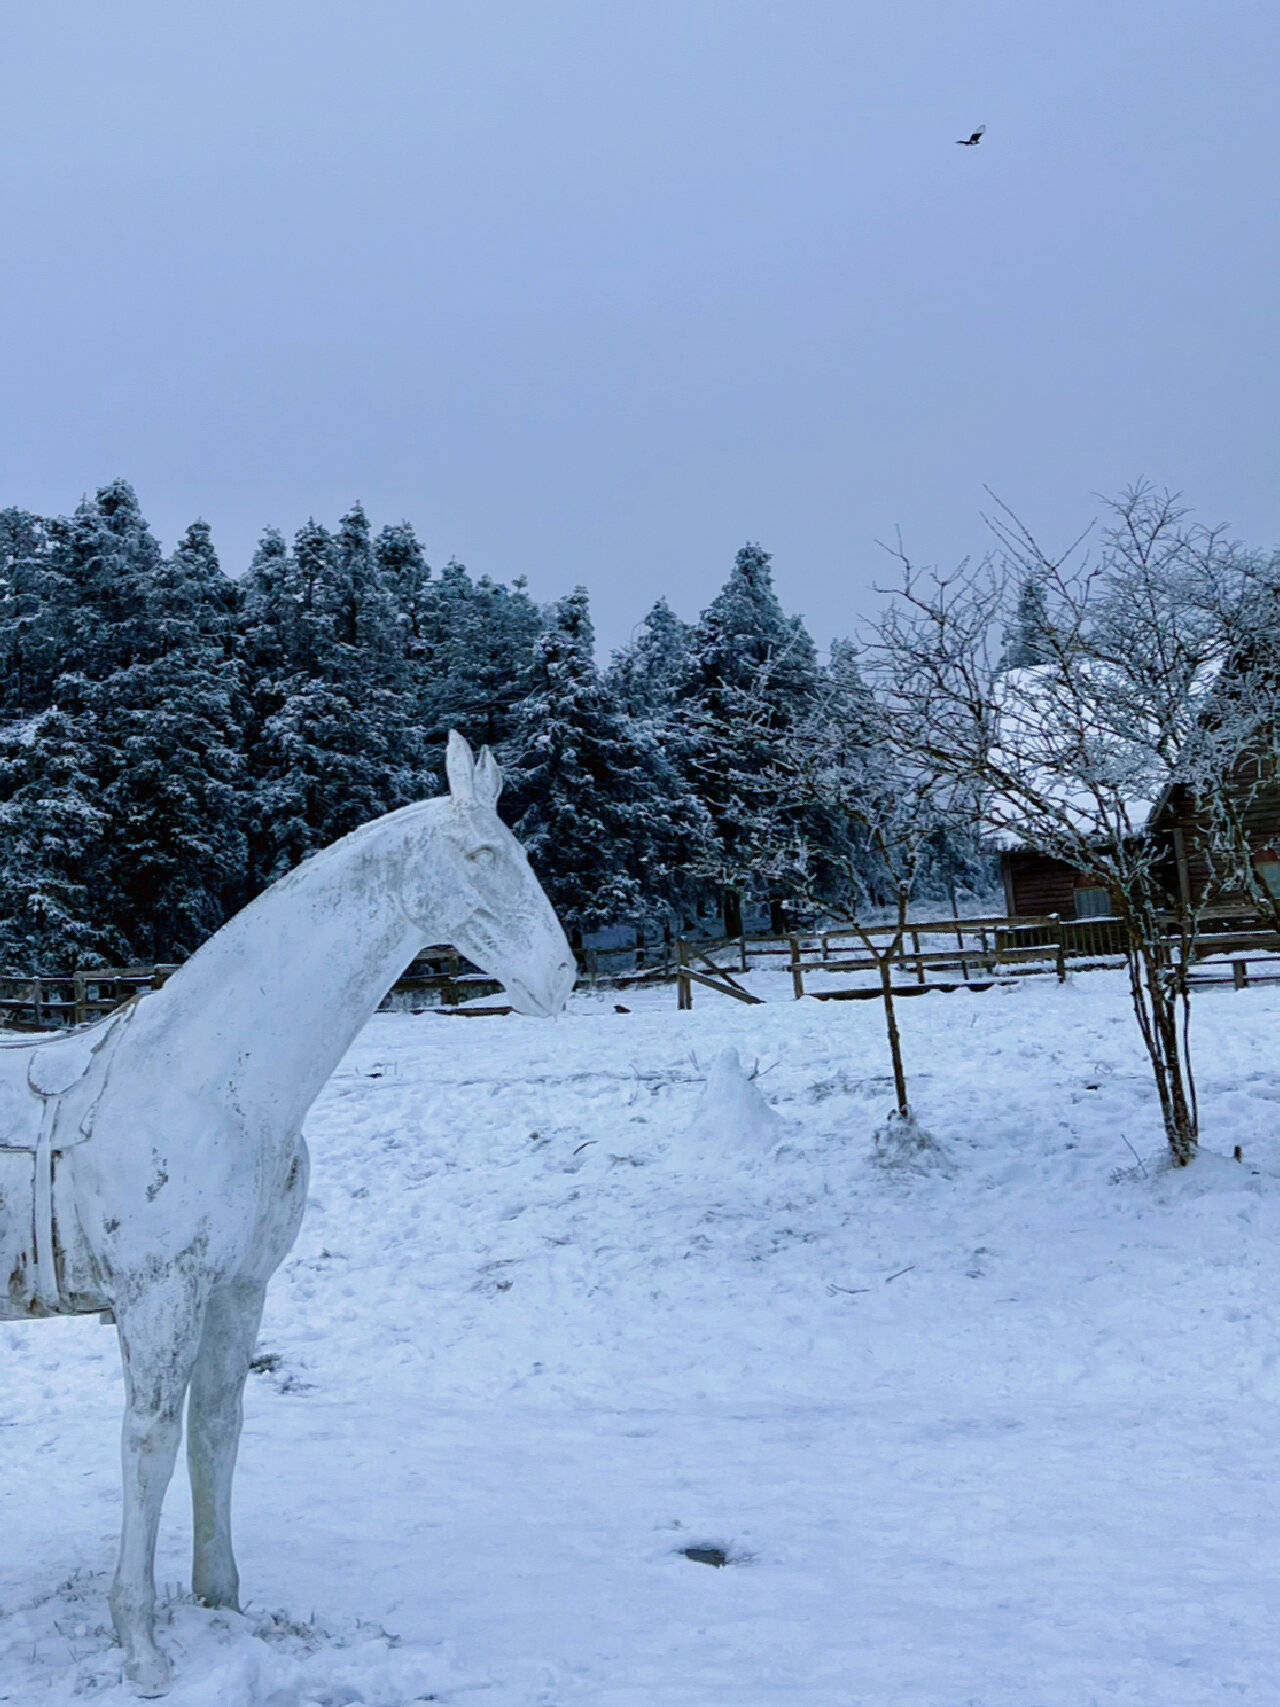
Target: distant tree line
x,y
173,739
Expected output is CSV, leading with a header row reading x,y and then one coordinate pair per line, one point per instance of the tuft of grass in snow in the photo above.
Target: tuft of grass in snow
x,y
903,1145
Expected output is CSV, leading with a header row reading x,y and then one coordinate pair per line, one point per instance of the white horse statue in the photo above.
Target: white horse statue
x,y
169,1170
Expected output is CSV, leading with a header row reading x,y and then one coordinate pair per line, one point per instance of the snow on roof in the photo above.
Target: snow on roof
x,y
1057,734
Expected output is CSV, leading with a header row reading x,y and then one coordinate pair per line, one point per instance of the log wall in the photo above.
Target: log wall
x,y
1036,884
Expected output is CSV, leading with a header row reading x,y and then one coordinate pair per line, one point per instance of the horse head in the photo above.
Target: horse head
x,y
484,895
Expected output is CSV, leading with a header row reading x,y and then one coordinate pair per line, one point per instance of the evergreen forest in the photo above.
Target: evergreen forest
x,y
173,739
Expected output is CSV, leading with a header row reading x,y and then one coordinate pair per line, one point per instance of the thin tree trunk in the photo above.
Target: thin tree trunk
x,y
1158,1013
884,959
890,1016
895,1044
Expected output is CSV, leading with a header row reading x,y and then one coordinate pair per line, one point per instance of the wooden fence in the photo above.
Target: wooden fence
x,y
439,978
975,952
951,954
946,954
47,1004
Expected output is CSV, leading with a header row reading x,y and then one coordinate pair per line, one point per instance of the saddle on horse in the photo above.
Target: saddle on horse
x,y
34,1078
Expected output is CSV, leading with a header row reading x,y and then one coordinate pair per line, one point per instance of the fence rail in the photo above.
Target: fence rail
x,y
73,998
439,977
975,952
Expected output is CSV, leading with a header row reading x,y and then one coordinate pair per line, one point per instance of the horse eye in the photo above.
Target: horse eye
x,y
483,855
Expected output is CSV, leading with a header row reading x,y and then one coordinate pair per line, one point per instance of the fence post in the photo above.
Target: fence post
x,y
684,984
1239,974
797,975
915,944
1059,937
744,948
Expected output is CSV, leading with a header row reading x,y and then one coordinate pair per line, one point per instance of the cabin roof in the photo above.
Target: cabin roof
x,y
1043,736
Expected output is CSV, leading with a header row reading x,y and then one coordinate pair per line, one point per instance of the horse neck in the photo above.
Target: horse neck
x,y
278,995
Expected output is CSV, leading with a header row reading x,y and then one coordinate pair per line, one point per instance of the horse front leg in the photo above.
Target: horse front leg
x,y
159,1334
215,1414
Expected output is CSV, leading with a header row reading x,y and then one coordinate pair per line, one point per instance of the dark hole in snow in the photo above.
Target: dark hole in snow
x,y
266,1362
706,1555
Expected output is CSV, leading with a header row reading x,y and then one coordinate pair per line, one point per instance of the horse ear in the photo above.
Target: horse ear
x,y
460,769
488,778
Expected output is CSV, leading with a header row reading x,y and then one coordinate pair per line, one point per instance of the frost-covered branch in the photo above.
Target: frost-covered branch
x,y
1148,695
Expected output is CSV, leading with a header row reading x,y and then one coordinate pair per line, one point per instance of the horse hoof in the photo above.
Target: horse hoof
x,y
150,1674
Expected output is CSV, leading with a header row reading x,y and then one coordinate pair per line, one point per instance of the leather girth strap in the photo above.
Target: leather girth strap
x,y
52,1072
46,1267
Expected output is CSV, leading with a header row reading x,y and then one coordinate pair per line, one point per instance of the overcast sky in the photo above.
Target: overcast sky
x,y
596,290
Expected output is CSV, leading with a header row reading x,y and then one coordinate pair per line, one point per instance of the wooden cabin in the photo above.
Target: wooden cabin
x,y
1036,884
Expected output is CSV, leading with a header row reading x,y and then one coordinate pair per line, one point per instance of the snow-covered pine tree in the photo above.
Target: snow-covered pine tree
x,y
167,735
168,749
363,613
477,640
120,828
334,736
841,740
33,601
647,675
268,600
134,771
322,765
190,602
647,678
314,577
106,560
404,572
610,828
862,797
1027,639
52,827
753,677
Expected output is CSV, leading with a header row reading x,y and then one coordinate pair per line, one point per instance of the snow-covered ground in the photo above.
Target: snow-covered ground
x,y
998,1428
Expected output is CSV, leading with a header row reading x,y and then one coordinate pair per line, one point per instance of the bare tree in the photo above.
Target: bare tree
x,y
1071,756
889,816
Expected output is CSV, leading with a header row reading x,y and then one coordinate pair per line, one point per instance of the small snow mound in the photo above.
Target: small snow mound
x,y
903,1145
1208,1174
732,1118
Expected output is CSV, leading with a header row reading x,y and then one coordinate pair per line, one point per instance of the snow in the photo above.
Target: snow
x,y
574,1296
1057,735
733,1125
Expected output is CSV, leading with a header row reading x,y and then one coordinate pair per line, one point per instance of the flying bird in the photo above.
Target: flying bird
x,y
971,141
